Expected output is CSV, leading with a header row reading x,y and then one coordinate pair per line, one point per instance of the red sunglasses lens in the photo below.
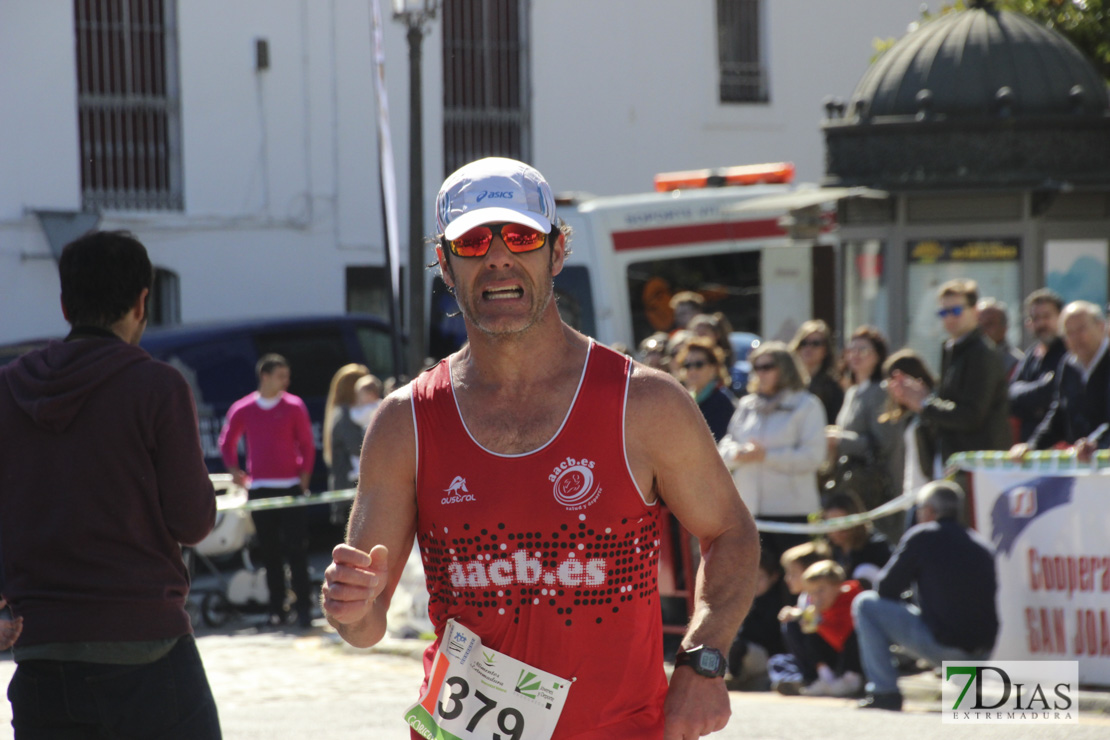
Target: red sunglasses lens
x,y
518,238
522,238
473,243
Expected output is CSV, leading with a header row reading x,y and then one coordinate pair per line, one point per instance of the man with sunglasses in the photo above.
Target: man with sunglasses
x,y
532,465
970,408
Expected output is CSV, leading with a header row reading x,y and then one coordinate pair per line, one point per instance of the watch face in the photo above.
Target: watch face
x,y
709,661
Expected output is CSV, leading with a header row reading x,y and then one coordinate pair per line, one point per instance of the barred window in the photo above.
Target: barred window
x,y
128,104
740,50
486,98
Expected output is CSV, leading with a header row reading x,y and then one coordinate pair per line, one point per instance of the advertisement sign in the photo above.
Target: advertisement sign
x,y
929,251
1051,533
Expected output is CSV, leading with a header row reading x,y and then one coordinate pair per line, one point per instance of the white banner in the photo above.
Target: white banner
x,y
385,158
1051,533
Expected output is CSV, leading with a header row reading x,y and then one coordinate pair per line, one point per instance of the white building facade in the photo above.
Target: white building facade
x,y
237,140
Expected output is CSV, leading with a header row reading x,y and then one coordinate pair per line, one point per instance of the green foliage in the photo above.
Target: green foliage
x,y
1086,23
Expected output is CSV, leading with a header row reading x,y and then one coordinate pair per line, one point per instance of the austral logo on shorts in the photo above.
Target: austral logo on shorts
x,y
1010,692
573,483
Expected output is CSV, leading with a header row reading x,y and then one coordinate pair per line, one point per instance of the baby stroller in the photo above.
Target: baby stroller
x,y
243,592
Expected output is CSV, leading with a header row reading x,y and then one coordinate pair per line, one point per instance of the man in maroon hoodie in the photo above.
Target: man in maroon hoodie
x,y
101,478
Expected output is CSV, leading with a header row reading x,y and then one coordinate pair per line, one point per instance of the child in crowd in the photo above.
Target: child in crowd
x,y
796,560
786,672
829,643
760,635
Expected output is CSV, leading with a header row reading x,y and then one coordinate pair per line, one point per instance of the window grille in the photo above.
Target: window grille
x,y
740,49
128,104
486,106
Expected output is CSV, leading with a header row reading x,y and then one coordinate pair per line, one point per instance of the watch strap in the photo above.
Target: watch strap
x,y
702,659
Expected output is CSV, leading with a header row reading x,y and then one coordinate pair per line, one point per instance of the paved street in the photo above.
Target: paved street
x,y
276,685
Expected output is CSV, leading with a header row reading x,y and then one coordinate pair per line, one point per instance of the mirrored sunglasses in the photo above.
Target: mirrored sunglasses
x,y
517,237
950,311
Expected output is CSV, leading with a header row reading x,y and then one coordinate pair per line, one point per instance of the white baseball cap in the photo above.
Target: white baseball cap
x,y
494,190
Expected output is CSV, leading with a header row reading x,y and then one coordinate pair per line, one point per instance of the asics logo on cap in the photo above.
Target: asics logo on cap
x,y
491,194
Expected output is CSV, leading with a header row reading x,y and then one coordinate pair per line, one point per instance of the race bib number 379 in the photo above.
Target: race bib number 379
x,y
477,693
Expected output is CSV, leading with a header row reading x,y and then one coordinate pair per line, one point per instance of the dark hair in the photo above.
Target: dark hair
x,y
849,503
103,273
769,562
1044,295
268,363
878,343
910,363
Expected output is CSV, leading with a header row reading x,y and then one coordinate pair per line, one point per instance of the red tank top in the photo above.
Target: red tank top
x,y
549,556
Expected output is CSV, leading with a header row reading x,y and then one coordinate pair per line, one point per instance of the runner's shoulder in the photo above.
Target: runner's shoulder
x,y
648,385
656,395
394,415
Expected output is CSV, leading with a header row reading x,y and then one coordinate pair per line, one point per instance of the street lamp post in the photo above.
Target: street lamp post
x,y
415,14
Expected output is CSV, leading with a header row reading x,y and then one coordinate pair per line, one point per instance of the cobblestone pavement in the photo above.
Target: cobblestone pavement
x,y
274,685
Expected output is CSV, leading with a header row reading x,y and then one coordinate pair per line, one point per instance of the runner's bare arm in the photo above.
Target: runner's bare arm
x,y
364,573
672,454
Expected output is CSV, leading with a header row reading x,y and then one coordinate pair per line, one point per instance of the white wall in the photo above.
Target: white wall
x,y
280,167
628,88
38,128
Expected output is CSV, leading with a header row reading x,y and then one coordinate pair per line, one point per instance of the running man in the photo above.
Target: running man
x,y
546,550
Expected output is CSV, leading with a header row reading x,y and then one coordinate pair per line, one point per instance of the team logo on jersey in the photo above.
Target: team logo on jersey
x,y
573,483
457,492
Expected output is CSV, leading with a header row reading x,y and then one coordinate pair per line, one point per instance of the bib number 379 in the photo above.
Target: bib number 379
x,y
510,721
475,692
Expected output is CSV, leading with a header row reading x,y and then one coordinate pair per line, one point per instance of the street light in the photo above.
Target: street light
x,y
416,14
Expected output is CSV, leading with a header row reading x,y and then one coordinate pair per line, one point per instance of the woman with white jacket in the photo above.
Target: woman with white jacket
x,y
776,442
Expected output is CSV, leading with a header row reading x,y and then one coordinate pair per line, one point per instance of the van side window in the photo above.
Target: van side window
x,y
314,354
730,283
376,349
218,371
575,301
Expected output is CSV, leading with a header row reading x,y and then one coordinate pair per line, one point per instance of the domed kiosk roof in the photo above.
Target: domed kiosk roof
x,y
979,97
981,62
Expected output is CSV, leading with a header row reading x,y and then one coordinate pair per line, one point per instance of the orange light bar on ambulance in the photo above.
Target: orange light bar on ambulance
x,y
772,173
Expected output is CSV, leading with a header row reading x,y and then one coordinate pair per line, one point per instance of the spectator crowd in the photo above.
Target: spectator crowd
x,y
816,433
809,433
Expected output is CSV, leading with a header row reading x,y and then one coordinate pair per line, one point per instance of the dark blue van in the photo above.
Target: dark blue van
x,y
218,359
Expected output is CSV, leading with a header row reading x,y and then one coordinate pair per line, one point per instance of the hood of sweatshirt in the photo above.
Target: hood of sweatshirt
x,y
51,385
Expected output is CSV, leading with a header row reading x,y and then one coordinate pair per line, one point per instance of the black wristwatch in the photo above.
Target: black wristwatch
x,y
705,661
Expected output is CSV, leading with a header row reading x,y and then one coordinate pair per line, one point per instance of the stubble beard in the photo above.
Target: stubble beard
x,y
472,318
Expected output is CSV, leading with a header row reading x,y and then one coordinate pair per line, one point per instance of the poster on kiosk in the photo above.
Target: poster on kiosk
x,y
1051,534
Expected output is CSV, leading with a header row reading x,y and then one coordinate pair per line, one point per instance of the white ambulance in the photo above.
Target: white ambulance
x,y
631,253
